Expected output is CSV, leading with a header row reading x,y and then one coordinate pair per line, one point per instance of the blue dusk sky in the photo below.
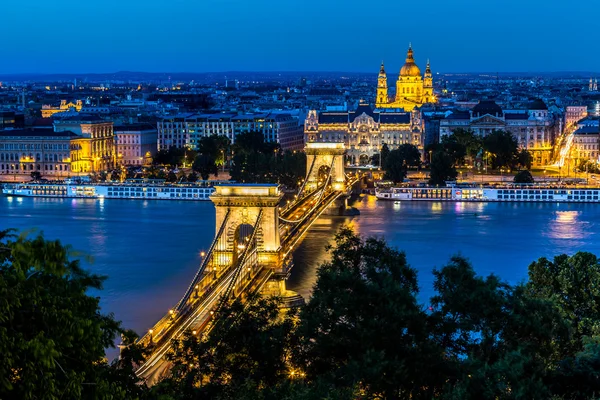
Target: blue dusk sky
x,y
40,36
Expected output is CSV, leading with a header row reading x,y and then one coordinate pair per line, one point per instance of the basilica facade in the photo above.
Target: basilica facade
x,y
412,89
364,131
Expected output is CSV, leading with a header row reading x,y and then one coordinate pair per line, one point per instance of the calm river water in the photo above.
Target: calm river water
x,y
150,249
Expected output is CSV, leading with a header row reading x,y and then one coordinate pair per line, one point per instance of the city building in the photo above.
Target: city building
x,y
11,119
135,144
586,140
574,114
94,149
364,131
412,90
186,130
534,128
49,110
23,151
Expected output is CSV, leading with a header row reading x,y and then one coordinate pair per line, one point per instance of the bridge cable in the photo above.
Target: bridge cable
x,y
240,262
316,203
207,260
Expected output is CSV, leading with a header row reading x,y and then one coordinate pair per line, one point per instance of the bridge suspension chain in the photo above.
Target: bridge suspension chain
x,y
249,250
316,203
208,259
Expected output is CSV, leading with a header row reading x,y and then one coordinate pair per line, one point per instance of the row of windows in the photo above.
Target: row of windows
x,y
30,167
34,146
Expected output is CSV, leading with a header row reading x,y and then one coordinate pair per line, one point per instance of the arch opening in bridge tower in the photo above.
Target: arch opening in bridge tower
x,y
323,174
363,160
240,239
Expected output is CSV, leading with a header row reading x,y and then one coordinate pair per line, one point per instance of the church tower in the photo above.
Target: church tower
x,y
382,89
428,85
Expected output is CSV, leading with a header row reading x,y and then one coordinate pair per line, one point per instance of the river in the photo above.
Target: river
x,y
150,250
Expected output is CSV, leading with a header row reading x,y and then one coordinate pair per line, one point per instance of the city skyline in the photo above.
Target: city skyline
x,y
459,36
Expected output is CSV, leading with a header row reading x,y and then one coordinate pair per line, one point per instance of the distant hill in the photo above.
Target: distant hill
x,y
212,77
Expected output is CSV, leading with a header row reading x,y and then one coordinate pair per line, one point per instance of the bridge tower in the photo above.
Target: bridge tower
x,y
322,156
239,207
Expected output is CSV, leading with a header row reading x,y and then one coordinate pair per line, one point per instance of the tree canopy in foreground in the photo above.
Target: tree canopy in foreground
x,y
364,333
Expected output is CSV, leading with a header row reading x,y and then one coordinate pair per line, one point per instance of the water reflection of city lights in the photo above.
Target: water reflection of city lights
x,y
436,206
567,225
397,205
566,216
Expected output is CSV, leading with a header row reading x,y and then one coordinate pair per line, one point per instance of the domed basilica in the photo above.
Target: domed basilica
x,y
412,90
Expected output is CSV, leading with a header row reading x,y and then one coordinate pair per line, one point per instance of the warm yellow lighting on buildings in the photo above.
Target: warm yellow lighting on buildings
x,y
412,90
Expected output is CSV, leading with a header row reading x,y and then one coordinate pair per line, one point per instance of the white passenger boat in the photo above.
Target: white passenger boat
x,y
138,191
512,193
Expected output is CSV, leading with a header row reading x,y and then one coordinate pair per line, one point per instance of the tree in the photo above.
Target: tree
x,y
454,148
502,148
215,147
192,177
498,341
524,159
442,169
573,283
171,177
398,160
244,354
469,141
523,177
290,168
115,175
172,157
363,329
204,165
52,333
36,176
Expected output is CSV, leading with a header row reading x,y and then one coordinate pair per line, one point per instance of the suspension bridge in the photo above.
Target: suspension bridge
x,y
252,249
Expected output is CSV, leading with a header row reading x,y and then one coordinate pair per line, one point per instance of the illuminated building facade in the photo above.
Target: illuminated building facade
x,y
94,150
23,151
586,141
534,128
48,110
187,130
135,144
574,114
364,131
412,89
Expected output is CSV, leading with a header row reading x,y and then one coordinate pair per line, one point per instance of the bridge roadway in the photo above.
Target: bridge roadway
x,y
194,314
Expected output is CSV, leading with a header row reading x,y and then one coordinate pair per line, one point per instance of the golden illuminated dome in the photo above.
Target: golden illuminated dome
x,y
410,68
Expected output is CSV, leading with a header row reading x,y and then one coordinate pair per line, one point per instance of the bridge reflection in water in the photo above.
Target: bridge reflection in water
x,y
252,249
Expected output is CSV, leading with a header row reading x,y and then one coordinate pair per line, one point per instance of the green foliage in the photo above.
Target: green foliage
x,y
523,177
256,161
171,177
502,148
442,168
524,159
115,175
204,165
385,152
397,162
363,327
470,142
172,157
573,284
363,334
192,177
456,151
588,166
244,355
52,333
